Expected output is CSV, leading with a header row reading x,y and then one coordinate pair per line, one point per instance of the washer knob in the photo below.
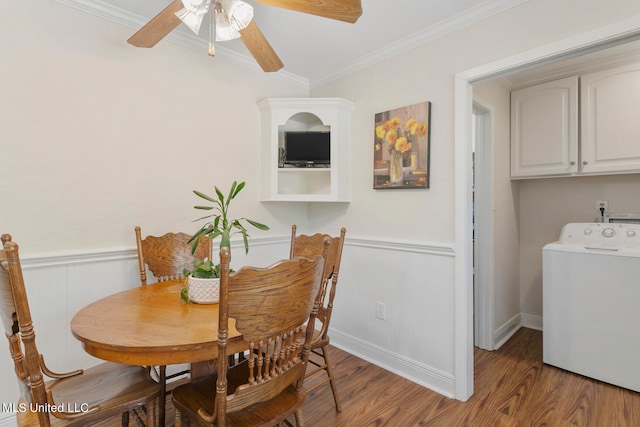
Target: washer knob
x,y
587,231
608,232
631,233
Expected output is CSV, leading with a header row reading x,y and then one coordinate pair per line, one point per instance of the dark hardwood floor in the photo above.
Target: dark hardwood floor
x,y
512,388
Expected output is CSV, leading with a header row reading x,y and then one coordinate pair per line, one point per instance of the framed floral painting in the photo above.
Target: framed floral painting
x,y
401,143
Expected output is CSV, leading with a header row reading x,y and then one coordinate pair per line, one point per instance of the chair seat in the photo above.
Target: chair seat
x,y
197,394
114,387
319,340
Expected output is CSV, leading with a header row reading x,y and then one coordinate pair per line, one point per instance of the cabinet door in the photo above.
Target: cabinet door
x,y
610,102
544,129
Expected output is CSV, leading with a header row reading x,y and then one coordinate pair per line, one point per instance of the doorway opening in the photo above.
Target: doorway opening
x,y
601,38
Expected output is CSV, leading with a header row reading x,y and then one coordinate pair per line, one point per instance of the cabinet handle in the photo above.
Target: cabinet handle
x,y
572,163
584,162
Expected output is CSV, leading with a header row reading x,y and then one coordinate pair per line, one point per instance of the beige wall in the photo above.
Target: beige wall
x,y
97,136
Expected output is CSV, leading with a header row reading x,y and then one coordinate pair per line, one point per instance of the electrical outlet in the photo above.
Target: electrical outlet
x,y
380,310
602,204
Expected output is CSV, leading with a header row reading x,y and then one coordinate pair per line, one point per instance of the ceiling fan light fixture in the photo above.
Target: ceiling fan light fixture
x,y
238,12
193,12
224,29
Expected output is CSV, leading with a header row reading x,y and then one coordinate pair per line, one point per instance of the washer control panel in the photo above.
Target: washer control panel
x,y
605,235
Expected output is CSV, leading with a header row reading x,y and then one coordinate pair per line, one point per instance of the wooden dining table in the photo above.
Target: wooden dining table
x,y
150,326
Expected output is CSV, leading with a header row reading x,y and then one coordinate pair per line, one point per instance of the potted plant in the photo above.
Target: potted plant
x,y
217,224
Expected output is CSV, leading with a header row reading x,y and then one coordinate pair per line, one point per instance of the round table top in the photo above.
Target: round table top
x,y
149,325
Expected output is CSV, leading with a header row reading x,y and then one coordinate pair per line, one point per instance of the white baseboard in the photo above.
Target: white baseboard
x,y
506,330
531,321
426,376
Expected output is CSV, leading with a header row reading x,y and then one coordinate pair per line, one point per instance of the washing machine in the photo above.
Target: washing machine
x,y
591,302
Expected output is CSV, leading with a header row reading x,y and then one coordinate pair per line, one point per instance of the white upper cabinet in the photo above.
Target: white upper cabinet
x,y
282,181
610,105
545,141
544,129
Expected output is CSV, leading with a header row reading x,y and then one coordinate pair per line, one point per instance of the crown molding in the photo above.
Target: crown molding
x,y
462,20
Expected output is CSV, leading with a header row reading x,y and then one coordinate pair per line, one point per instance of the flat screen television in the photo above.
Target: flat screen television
x,y
307,149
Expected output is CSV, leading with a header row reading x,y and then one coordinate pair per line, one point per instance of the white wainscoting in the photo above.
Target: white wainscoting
x,y
414,281
415,284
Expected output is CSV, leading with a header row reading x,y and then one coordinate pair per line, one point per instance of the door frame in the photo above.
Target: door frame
x,y
483,243
606,36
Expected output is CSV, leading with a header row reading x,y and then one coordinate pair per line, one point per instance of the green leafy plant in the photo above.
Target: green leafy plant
x,y
218,225
204,269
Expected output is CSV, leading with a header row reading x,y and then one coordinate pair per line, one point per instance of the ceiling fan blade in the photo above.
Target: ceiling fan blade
x,y
156,29
342,10
260,48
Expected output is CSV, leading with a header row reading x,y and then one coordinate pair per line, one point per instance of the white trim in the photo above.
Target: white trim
x,y
53,259
463,297
462,20
483,276
401,246
531,321
49,260
520,320
463,282
506,331
421,374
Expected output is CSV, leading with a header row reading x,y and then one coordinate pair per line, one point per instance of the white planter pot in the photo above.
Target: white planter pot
x,y
203,291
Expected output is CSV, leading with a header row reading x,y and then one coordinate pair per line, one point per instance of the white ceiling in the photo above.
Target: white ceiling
x,y
316,49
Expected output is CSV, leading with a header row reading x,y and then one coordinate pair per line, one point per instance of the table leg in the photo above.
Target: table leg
x,y
163,395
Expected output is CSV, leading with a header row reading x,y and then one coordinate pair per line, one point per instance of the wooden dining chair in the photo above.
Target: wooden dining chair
x,y
320,362
273,308
80,397
166,257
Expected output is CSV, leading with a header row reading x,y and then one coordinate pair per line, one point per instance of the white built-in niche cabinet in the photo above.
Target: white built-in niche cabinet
x,y
580,125
329,183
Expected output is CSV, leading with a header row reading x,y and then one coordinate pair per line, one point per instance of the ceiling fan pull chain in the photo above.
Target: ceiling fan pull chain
x,y
212,30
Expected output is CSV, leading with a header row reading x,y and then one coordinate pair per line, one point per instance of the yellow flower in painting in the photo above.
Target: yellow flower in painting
x,y
394,122
398,134
409,124
391,136
402,145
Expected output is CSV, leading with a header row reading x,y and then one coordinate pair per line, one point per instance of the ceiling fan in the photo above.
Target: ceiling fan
x,y
231,19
